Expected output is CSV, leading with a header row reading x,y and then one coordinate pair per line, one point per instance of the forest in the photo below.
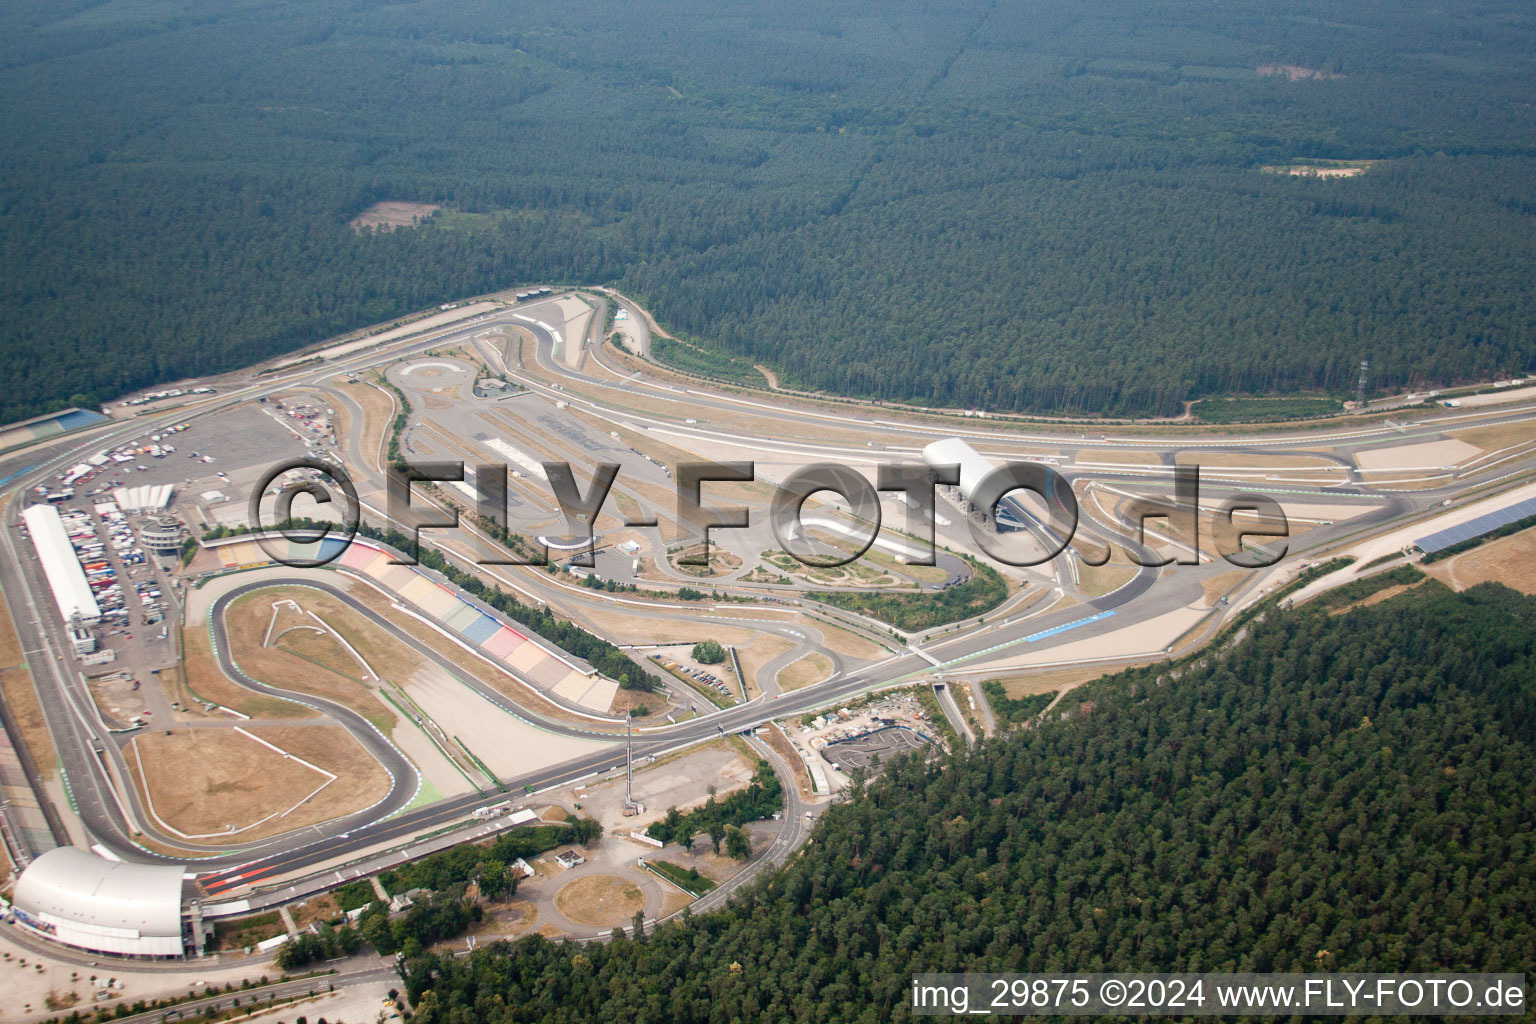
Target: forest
x,y
1083,208
1340,789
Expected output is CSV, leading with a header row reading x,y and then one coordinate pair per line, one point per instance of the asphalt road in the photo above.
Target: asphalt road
x,y
89,756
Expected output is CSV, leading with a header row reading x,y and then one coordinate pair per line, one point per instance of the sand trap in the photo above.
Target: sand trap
x,y
1430,455
508,745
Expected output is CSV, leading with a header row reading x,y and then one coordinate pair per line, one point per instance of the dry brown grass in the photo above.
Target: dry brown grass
x,y
1242,460
1121,457
1218,587
600,900
1098,580
378,410
1059,679
758,653
845,642
635,629
202,779
305,661
204,679
1509,560
775,738
21,698
812,668
317,908
1499,435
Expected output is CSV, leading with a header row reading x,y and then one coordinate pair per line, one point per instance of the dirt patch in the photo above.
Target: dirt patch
x,y
317,908
1509,560
600,900
812,668
202,781
21,699
1296,72
388,215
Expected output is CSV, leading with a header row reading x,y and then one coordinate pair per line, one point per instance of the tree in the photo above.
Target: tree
x,y
716,833
738,844
708,652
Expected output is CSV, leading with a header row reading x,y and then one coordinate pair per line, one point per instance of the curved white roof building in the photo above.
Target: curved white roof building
x,y
954,452
65,577
79,899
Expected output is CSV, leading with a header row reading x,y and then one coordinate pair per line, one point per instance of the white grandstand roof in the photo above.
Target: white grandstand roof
x,y
954,452
70,591
109,906
152,497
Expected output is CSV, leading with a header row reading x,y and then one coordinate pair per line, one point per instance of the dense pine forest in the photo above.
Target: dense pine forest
x,y
1345,789
1054,207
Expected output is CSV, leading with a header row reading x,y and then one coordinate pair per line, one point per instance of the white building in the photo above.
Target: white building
x,y
78,899
66,579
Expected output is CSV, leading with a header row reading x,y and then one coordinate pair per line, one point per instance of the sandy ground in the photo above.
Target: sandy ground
x,y
1244,460
22,986
1498,397
360,1004
1148,637
1430,455
600,900
508,746
1330,513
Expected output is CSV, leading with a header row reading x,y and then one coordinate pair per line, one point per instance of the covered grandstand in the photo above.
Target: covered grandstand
x,y
71,593
1486,523
76,898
